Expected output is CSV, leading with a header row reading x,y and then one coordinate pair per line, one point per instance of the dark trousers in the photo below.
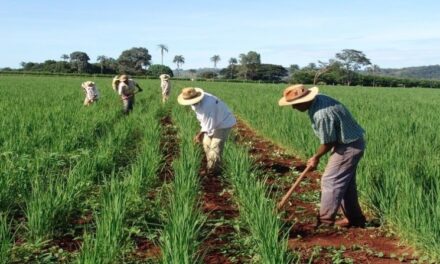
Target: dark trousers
x,y
339,183
128,104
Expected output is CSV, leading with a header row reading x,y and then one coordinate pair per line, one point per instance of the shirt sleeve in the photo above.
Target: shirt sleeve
x,y
207,124
325,130
120,89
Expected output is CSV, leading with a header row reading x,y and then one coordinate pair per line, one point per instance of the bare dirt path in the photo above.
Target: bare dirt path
x,y
145,248
221,210
331,245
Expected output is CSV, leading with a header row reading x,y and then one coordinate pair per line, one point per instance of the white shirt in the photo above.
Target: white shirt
x,y
213,114
166,87
91,92
127,89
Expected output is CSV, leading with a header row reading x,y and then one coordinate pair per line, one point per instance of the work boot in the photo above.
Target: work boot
x,y
345,223
320,224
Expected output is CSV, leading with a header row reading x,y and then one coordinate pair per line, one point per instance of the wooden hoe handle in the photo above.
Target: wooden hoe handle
x,y
289,193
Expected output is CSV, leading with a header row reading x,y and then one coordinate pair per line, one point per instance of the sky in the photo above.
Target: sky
x,y
392,34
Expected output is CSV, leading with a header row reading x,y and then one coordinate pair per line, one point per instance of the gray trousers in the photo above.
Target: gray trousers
x,y
338,183
127,104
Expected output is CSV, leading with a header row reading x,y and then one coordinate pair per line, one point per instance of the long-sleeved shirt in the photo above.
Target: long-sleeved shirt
x,y
166,87
213,114
332,122
127,90
91,92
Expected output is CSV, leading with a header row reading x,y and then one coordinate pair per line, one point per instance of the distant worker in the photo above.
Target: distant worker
x,y
166,86
126,88
215,120
91,92
339,133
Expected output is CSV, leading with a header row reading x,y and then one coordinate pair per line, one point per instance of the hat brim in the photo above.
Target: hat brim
x,y
309,97
191,101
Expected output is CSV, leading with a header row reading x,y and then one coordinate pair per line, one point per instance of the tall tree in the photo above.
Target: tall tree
x,y
178,60
162,48
64,57
80,61
157,69
293,68
325,67
232,63
133,60
352,60
249,63
215,59
102,60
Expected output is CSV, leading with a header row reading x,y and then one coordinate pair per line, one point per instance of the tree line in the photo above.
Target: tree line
x,y
349,67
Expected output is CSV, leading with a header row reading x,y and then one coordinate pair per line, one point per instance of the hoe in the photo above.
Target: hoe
x,y
289,193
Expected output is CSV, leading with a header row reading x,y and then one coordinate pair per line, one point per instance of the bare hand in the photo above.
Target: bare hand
x,y
313,162
199,137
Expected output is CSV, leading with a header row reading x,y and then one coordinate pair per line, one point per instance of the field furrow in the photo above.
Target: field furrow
x,y
370,245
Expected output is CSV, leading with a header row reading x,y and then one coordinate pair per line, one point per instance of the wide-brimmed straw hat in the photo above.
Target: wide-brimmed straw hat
x,y
297,94
190,96
164,77
123,77
88,84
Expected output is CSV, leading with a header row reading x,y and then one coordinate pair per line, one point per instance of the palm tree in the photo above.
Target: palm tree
x,y
102,60
65,57
232,62
178,60
215,59
162,48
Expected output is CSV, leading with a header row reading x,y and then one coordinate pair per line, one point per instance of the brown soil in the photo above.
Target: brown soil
x,y
218,205
146,249
369,245
169,146
68,243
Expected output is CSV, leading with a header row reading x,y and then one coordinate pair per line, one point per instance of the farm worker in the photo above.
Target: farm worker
x,y
127,90
342,136
166,86
91,92
215,120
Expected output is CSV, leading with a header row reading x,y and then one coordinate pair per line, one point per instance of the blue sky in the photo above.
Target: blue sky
x,y
391,33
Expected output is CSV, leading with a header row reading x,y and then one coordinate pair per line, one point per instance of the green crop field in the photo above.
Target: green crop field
x,y
90,185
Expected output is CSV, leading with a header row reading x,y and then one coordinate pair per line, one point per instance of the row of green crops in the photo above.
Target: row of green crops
x,y
181,234
122,195
60,160
399,174
256,209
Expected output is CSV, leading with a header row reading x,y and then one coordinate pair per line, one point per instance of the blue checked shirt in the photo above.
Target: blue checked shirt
x,y
332,122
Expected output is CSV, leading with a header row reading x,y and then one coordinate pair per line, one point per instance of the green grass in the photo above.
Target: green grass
x,y
256,208
399,174
181,234
57,157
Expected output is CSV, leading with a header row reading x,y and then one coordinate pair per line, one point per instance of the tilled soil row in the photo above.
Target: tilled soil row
x,y
323,245
145,248
217,203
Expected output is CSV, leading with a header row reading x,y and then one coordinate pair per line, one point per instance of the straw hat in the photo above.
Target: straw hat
x,y
190,96
164,77
297,94
88,84
123,77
